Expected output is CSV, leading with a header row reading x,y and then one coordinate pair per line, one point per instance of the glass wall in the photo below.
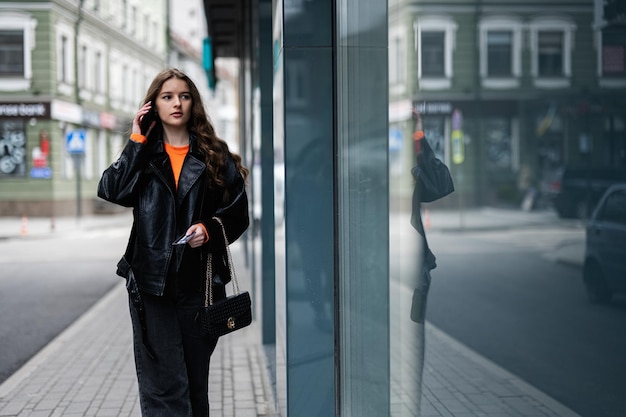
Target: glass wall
x,y
362,208
525,106
304,163
500,107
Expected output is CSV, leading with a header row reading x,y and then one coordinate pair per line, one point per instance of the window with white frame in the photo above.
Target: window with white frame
x,y
550,53
98,72
12,53
127,85
133,20
124,13
65,58
17,40
434,43
433,49
500,52
115,84
551,44
146,27
397,59
83,57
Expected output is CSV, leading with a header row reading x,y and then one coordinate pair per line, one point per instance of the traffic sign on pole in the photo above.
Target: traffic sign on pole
x,y
75,142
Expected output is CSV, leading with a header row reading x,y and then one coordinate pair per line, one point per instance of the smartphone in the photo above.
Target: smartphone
x,y
147,120
183,239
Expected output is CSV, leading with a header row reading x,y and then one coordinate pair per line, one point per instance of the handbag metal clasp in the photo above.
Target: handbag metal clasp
x,y
231,323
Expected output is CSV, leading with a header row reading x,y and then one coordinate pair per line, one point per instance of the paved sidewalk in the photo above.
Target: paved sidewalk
x,y
88,370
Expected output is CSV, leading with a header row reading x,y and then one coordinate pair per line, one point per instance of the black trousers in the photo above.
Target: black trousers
x,y
176,381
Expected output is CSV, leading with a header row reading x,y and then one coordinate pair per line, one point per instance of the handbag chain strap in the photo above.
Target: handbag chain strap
x,y
208,292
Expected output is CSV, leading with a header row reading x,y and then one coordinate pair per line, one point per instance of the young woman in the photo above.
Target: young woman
x,y
178,176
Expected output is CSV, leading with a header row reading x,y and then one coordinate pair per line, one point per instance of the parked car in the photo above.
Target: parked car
x,y
581,189
604,271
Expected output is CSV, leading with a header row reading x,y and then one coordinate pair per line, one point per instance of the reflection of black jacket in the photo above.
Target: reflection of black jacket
x,y
432,182
142,178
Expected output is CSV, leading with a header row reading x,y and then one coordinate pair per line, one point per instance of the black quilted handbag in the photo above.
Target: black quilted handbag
x,y
233,312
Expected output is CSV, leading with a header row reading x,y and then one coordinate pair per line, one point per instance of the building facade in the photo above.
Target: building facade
x,y
512,92
71,77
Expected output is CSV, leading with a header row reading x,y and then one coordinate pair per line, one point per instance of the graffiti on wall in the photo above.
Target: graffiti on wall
x,y
12,148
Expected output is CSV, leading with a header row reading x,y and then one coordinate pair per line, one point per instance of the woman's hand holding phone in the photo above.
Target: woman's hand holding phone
x,y
145,120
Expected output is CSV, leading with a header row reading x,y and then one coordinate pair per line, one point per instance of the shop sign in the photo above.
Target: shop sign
x,y
30,110
66,112
399,111
107,120
91,118
434,107
43,173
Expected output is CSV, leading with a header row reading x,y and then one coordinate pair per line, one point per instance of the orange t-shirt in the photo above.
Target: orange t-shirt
x,y
177,157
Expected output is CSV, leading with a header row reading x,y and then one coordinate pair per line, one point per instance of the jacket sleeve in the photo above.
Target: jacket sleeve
x,y
233,212
120,180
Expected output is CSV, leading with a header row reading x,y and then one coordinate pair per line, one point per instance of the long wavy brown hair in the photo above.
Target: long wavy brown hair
x,y
214,149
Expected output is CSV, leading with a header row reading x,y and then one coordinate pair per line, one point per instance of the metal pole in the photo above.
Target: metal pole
x,y
77,168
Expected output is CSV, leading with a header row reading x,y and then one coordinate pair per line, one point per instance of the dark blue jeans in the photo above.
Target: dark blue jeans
x,y
176,383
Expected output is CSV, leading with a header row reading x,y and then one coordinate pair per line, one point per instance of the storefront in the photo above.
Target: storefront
x,y
38,173
17,120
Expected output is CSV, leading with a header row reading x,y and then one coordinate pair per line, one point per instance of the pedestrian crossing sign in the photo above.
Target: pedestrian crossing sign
x,y
76,142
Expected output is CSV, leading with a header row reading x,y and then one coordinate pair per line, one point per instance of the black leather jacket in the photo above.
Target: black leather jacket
x,y
142,178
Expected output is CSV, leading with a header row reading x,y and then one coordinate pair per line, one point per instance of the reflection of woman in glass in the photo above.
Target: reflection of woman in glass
x,y
418,310
432,182
178,176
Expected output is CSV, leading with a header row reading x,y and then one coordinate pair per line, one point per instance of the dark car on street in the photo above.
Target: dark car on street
x,y
581,189
604,271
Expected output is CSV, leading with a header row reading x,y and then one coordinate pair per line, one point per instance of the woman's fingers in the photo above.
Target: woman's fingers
x,y
139,116
200,235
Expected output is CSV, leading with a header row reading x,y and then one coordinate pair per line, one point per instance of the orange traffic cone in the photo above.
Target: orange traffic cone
x,y
24,226
426,219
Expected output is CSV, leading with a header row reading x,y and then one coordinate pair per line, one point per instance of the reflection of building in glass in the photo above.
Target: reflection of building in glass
x,y
537,90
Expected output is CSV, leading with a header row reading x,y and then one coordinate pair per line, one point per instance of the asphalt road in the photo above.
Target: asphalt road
x,y
47,283
498,294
